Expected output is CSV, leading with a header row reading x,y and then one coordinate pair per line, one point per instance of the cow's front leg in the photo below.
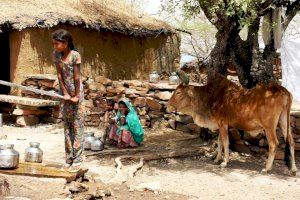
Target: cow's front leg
x,y
219,151
273,143
225,143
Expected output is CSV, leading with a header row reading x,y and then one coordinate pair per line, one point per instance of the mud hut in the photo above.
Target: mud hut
x,y
113,39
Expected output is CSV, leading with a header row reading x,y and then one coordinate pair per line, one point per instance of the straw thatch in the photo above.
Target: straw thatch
x,y
110,15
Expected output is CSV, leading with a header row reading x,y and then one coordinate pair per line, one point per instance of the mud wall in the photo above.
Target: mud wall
x,y
113,55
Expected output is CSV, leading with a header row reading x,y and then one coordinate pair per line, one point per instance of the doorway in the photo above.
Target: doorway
x,y
4,61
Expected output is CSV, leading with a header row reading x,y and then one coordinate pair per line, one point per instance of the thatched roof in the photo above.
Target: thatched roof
x,y
110,15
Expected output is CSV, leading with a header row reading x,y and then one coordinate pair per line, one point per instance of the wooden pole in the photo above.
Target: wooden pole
x,y
37,91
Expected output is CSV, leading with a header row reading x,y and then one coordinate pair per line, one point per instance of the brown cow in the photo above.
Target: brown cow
x,y
221,104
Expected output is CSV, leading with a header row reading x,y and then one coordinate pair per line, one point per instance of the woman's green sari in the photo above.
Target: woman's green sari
x,y
132,123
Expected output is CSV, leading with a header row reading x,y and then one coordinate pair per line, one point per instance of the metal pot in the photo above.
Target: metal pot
x,y
88,139
97,145
154,77
9,158
174,79
34,153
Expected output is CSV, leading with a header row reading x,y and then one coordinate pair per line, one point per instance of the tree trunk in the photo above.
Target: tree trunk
x,y
218,56
231,50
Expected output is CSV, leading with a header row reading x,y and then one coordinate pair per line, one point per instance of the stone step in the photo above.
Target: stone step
x,y
27,101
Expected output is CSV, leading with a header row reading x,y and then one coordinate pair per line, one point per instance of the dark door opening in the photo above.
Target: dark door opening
x,y
4,61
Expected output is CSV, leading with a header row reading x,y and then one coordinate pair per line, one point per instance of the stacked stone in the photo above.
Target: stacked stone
x,y
150,101
259,145
45,82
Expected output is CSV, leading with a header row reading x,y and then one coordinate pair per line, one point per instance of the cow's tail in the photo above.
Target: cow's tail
x,y
287,151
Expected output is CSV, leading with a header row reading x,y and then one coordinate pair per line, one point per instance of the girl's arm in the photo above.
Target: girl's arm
x,y
75,97
61,82
77,80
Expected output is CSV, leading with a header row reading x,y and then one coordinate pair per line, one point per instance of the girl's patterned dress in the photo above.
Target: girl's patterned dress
x,y
73,114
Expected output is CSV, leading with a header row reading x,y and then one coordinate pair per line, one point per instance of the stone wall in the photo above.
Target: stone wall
x,y
150,101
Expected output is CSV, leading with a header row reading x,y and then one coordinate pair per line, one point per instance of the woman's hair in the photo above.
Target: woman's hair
x,y
63,36
123,103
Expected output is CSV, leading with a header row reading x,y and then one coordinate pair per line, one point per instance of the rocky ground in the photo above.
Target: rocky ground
x,y
185,178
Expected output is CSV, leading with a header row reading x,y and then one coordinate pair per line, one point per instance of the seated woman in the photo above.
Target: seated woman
x,y
126,129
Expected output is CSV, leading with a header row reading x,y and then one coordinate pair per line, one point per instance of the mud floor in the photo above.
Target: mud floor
x,y
184,178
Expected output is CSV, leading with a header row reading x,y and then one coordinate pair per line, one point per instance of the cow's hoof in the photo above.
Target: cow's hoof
x,y
217,161
294,172
223,165
264,171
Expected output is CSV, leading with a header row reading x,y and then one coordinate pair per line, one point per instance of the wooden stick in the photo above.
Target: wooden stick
x,y
115,152
37,91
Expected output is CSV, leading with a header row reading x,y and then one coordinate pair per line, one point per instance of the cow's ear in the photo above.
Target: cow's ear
x,y
190,92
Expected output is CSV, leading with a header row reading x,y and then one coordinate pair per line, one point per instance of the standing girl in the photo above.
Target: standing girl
x,y
67,61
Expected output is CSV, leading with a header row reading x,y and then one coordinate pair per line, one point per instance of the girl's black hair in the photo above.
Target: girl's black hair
x,y
63,36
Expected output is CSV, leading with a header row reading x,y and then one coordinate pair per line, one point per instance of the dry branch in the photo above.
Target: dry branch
x,y
121,176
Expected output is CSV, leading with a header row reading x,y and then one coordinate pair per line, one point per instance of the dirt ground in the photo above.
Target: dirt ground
x,y
184,178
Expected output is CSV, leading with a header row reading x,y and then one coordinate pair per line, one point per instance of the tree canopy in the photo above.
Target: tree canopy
x,y
229,17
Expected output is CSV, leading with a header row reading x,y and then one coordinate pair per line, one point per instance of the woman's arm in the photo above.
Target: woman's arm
x,y
61,82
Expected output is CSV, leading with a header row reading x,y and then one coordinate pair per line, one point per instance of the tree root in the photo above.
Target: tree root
x,y
128,173
4,187
123,175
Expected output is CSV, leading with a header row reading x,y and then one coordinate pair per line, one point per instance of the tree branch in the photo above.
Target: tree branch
x,y
217,18
264,7
292,10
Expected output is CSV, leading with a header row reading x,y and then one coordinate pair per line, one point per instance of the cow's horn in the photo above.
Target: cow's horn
x,y
183,77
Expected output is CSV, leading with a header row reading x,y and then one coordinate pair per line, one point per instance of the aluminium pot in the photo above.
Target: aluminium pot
x,y
9,157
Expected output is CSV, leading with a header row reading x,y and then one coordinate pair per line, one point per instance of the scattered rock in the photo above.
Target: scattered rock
x,y
242,148
84,197
151,186
185,119
155,123
103,193
140,102
76,187
172,123
161,86
182,127
279,155
88,178
27,120
142,111
194,128
143,122
163,95
135,83
255,149
103,80
153,104
89,103
155,114
97,87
